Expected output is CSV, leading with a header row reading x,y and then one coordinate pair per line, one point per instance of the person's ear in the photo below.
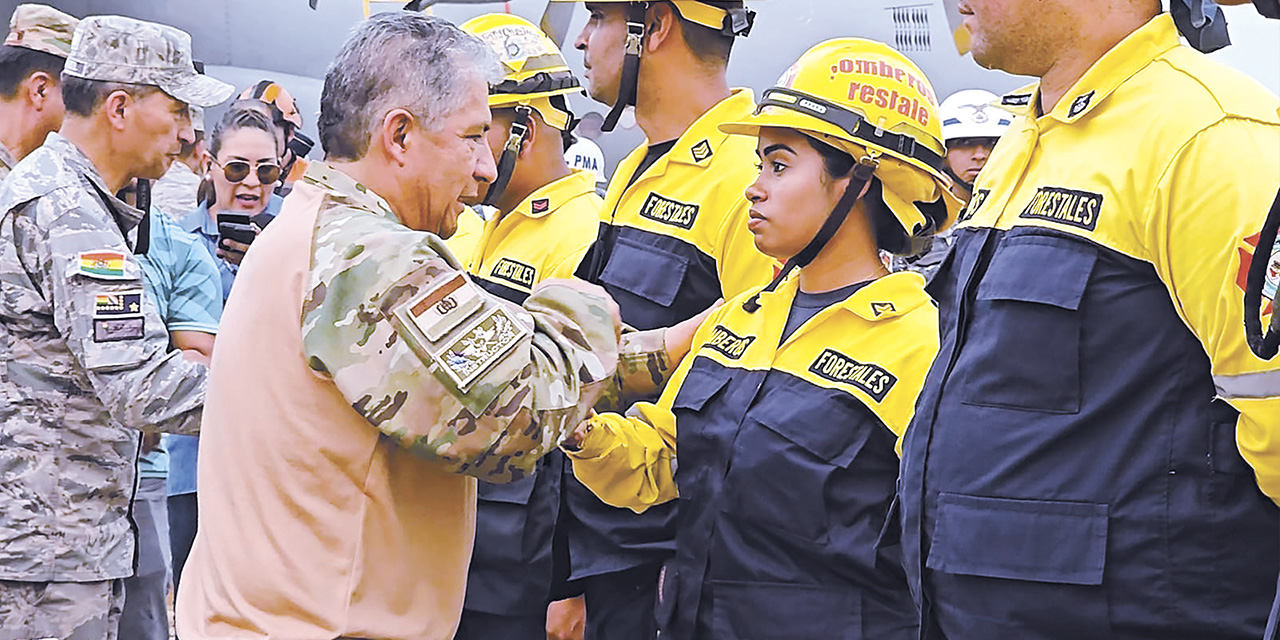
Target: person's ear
x,y
40,87
534,129
396,135
660,25
117,107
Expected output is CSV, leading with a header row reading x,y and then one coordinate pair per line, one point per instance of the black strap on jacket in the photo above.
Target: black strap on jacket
x,y
629,86
510,153
862,173
1264,345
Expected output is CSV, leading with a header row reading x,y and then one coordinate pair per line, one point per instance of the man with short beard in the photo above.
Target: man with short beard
x,y
1079,461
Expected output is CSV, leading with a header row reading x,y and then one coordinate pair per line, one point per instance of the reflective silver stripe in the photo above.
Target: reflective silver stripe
x,y
1265,384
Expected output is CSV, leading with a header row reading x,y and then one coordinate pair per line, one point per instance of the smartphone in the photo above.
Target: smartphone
x,y
235,226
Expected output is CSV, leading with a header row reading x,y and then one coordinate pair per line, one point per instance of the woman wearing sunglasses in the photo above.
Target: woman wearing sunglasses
x,y
243,170
244,167
777,432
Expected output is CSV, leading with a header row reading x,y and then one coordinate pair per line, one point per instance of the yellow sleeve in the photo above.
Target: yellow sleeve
x,y
627,460
1213,196
740,265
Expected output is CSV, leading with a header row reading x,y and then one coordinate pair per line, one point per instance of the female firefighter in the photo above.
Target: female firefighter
x,y
786,413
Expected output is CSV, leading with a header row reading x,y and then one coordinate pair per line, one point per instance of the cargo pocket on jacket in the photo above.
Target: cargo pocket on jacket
x,y
774,611
646,271
784,454
1035,540
1024,336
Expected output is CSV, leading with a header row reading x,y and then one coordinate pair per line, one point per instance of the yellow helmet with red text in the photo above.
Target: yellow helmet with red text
x,y
869,100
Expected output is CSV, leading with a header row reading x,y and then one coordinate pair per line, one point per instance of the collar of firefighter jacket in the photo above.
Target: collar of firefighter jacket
x,y
894,295
346,190
703,139
1119,64
555,194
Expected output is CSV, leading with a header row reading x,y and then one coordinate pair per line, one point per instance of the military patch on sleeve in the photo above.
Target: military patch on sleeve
x,y
104,264
466,356
117,329
115,305
438,311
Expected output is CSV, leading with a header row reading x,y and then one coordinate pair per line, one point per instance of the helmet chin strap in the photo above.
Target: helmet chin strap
x,y
628,85
862,173
960,181
510,153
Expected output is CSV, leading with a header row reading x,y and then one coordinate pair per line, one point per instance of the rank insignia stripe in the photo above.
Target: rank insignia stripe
x,y
728,343
104,264
1016,100
881,308
669,212
541,205
871,379
438,311
1080,104
514,272
115,305
701,151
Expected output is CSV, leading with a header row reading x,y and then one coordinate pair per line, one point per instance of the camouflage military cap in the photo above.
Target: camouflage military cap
x,y
42,28
197,118
120,49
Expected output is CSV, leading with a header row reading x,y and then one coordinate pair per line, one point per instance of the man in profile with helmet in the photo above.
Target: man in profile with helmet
x,y
673,240
543,218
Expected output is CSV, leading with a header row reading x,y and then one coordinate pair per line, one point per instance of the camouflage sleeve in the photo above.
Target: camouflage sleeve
x,y
111,329
449,372
643,370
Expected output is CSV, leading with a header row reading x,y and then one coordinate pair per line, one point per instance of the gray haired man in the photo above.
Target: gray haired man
x,y
85,358
363,383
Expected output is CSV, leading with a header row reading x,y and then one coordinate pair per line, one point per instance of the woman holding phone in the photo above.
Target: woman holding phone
x,y
243,170
777,432
244,167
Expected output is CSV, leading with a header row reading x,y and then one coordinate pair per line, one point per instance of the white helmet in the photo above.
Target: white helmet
x,y
972,113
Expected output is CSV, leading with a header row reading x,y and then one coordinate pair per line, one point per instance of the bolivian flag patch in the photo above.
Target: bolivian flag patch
x,y
102,264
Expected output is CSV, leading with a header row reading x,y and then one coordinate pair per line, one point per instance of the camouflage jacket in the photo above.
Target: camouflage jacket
x,y
7,162
433,361
83,353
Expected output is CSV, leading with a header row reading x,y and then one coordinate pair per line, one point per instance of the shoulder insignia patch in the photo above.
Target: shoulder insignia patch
x,y
541,205
515,272
437,311
1071,207
104,264
115,305
482,344
837,367
728,343
1079,105
667,211
881,308
117,329
701,151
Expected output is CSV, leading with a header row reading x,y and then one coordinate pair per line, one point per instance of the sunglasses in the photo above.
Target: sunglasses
x,y
238,170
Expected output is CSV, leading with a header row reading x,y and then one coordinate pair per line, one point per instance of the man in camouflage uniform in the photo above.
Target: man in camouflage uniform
x,y
83,352
363,383
30,95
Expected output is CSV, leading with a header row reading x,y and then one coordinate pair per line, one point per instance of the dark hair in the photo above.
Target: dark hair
x,y
82,96
239,116
837,163
708,45
18,63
